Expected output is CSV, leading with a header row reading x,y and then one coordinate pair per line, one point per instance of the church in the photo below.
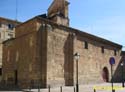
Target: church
x,y
43,50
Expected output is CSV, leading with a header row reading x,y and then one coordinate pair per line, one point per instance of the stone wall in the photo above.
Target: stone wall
x,y
20,55
7,31
1,46
59,57
61,66
42,53
92,60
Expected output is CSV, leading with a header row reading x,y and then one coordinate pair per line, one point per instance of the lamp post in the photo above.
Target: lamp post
x,y
77,56
122,65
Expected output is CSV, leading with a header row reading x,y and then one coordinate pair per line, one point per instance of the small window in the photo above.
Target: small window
x,y
86,44
115,52
102,49
0,71
10,26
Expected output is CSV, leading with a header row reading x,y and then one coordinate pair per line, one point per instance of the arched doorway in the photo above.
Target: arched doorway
x,y
105,74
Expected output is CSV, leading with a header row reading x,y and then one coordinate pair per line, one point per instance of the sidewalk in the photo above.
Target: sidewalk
x,y
104,87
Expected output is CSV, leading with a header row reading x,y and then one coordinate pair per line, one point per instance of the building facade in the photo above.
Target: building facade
x,y
43,49
7,28
7,31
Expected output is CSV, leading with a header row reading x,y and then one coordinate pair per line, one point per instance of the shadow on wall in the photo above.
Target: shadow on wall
x,y
68,61
117,77
42,50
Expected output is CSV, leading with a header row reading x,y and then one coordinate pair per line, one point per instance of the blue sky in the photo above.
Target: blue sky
x,y
103,18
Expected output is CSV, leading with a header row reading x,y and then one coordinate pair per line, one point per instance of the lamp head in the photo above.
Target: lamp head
x,y
76,55
122,64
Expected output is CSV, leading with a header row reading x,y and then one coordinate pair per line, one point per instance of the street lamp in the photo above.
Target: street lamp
x,y
122,65
77,56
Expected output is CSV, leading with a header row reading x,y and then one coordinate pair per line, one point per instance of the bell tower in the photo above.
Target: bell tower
x,y
58,12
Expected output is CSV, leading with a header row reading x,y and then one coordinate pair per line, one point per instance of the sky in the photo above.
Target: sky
x,y
103,18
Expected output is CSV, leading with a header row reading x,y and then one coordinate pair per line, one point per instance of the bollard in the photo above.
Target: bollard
x,y
94,90
74,89
113,90
38,88
49,88
60,88
29,88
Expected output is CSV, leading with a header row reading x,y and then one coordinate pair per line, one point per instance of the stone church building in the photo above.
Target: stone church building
x,y
43,52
